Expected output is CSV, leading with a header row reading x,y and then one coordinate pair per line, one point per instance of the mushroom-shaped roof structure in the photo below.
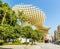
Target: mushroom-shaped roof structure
x,y
34,14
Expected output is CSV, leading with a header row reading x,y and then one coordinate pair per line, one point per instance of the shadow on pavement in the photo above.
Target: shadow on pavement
x,y
5,48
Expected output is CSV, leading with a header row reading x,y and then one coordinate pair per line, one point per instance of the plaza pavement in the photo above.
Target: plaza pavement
x,y
38,46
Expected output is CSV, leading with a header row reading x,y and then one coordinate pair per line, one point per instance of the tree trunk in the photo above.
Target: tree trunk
x,y
26,39
3,19
34,42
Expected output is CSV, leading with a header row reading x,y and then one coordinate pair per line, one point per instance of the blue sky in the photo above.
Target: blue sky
x,y
50,7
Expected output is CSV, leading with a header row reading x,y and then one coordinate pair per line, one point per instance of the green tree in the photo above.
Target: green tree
x,y
8,32
26,32
0,3
22,16
8,22
5,9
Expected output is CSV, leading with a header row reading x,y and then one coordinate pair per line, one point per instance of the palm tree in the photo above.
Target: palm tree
x,y
22,16
0,3
5,8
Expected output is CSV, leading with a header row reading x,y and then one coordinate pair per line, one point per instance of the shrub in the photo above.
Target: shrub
x,y
1,42
16,42
7,43
25,43
41,41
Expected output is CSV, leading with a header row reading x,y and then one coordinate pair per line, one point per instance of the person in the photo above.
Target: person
x,y
46,40
11,40
31,41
